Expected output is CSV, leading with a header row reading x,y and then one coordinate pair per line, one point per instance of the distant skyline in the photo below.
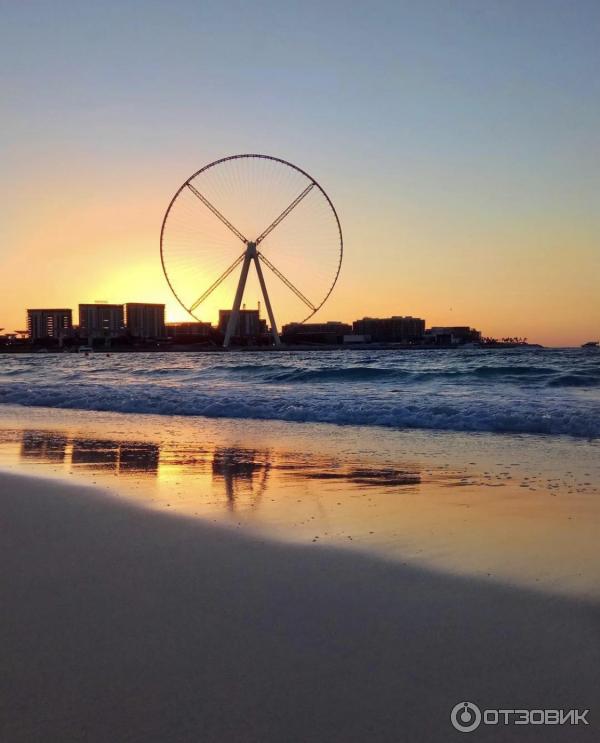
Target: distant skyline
x,y
458,140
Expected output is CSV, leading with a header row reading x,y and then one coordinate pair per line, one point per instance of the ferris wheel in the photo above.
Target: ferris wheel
x,y
285,222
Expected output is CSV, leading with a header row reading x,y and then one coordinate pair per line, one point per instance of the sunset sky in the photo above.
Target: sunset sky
x,y
458,139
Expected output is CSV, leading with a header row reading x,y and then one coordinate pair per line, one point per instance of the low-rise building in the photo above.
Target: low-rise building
x,y
249,324
12,340
330,332
187,333
331,326
395,329
188,329
455,335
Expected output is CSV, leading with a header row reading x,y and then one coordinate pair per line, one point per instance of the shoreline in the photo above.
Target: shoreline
x,y
125,623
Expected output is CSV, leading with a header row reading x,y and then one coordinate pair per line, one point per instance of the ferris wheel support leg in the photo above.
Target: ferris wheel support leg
x,y
263,286
235,310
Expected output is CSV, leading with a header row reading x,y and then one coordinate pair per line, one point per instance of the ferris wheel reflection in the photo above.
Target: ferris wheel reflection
x,y
242,472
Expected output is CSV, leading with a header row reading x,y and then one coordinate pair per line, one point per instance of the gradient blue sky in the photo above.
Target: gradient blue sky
x,y
459,141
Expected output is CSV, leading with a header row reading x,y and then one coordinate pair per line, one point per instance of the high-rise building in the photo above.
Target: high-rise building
x,y
51,323
145,320
249,324
101,320
394,329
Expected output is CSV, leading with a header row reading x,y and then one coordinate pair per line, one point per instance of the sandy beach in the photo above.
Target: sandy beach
x,y
121,623
178,578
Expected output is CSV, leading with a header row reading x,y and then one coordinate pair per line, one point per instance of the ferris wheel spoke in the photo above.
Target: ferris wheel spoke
x,y
216,212
285,212
216,283
287,282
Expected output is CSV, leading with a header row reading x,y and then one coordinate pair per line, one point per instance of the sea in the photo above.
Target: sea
x,y
553,392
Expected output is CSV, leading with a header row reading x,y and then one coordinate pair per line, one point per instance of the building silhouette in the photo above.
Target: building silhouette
x,y
190,332
189,328
100,320
145,320
331,331
394,329
49,323
249,324
455,335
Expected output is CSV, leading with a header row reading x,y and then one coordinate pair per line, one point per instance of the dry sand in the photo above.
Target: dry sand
x,y
124,624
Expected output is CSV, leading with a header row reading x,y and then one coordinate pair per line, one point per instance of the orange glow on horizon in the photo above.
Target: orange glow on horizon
x,y
536,278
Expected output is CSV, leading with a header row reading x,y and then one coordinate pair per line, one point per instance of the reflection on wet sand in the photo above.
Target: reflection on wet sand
x,y
139,458
385,477
49,447
239,471
119,456
510,509
97,454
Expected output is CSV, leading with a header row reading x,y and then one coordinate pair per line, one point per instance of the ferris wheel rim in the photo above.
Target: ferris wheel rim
x,y
262,157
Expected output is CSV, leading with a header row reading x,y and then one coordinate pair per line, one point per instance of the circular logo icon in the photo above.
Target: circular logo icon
x,y
466,717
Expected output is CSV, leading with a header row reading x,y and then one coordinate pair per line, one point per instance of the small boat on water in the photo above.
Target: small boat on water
x,y
85,349
591,344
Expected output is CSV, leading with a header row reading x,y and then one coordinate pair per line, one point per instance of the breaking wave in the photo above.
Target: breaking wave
x,y
524,391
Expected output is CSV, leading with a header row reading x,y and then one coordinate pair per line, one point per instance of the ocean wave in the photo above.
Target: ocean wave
x,y
513,391
575,380
290,374
328,374
521,375
400,409
513,370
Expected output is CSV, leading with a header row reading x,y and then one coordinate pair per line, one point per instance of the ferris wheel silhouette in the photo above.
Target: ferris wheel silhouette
x,y
284,220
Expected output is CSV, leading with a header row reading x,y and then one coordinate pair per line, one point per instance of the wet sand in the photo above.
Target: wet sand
x,y
521,510
123,623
